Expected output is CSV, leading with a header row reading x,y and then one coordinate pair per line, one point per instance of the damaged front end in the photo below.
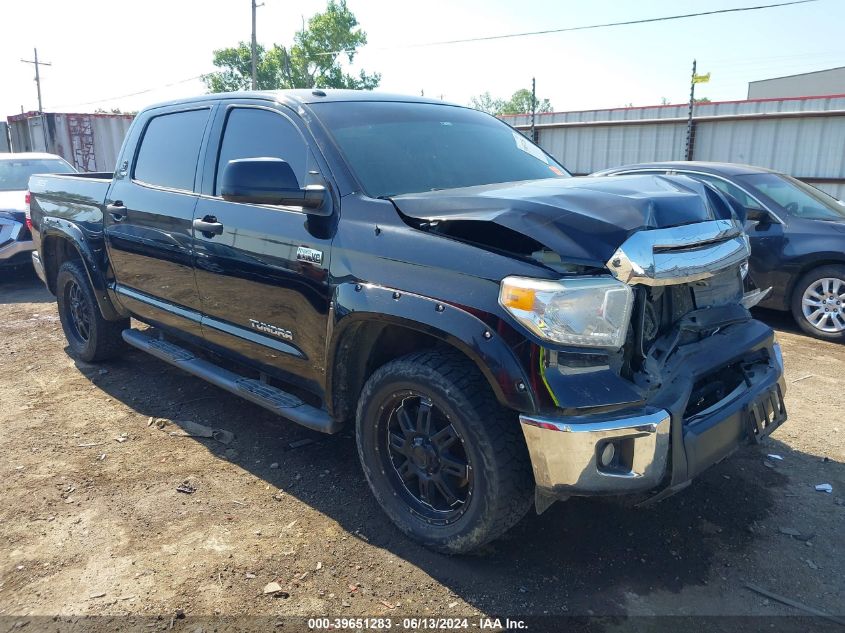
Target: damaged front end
x,y
696,377
645,358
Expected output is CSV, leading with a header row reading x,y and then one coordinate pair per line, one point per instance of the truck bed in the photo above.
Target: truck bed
x,y
71,196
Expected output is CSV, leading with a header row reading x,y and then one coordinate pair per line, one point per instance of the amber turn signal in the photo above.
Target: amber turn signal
x,y
517,298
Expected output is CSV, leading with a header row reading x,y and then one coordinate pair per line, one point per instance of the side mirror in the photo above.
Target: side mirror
x,y
269,181
757,215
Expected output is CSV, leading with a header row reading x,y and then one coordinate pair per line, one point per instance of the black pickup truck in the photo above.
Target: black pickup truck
x,y
497,332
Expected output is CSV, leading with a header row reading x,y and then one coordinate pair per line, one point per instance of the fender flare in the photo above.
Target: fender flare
x,y
354,303
93,260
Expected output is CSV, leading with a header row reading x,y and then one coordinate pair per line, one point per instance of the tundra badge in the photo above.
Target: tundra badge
x,y
311,255
271,329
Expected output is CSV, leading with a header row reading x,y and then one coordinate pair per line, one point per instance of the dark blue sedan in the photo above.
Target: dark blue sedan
x,y
797,238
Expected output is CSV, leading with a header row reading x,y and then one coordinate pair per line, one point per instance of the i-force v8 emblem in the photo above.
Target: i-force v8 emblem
x,y
310,255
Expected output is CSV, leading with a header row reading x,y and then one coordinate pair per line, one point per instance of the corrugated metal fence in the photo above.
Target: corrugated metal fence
x,y
802,136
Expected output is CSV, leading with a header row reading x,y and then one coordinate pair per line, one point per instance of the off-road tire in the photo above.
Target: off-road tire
x,y
806,281
98,339
502,481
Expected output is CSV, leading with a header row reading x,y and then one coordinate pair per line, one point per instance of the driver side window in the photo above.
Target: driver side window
x,y
259,133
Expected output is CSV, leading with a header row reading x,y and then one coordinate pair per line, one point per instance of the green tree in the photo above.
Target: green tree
x,y
488,104
702,100
312,61
519,103
237,69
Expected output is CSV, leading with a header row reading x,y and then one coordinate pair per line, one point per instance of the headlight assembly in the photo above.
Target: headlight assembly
x,y
582,311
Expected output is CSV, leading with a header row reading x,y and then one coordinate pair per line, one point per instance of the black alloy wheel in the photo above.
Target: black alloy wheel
x,y
80,311
430,466
445,461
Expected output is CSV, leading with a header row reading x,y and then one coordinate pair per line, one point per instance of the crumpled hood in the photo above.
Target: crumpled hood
x,y
584,220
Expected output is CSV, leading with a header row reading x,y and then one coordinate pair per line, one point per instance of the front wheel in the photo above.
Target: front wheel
x,y
445,461
818,303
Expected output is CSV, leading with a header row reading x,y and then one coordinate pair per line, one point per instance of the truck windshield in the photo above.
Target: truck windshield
x,y
795,197
15,172
395,148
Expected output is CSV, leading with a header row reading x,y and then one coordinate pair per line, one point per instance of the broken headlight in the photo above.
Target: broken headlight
x,y
582,311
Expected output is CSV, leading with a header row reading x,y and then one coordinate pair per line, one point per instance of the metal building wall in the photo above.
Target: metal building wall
x,y
820,82
19,135
811,149
5,145
26,133
804,137
89,142
584,150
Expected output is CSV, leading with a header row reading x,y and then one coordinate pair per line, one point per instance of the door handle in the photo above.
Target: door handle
x,y
117,211
208,226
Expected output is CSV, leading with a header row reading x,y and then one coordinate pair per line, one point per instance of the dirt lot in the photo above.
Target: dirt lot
x,y
93,525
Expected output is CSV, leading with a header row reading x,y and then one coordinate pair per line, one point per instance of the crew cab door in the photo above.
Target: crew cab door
x,y
150,208
263,273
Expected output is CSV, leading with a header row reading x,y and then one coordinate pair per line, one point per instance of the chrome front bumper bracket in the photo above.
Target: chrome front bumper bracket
x,y
566,453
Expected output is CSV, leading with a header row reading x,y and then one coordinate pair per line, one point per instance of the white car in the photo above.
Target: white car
x,y
15,170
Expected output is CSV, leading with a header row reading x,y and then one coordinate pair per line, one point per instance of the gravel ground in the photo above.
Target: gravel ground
x,y
92,523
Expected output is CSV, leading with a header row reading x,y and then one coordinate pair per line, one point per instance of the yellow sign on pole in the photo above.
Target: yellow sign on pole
x,y
701,79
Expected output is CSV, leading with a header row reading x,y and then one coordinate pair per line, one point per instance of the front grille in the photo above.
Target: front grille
x,y
679,254
658,309
663,306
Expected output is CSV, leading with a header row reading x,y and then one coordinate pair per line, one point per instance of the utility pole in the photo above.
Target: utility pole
x,y
37,75
688,149
254,82
533,109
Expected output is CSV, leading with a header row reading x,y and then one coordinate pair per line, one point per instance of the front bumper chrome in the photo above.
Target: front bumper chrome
x,y
566,453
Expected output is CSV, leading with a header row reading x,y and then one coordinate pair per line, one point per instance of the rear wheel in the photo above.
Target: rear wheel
x,y
90,337
818,303
447,464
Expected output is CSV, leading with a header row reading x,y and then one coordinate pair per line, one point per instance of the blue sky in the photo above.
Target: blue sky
x,y
101,49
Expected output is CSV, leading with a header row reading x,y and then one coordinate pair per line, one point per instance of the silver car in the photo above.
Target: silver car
x,y
15,170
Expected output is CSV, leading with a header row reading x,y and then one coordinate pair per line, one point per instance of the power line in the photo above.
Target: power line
x,y
493,37
587,27
134,94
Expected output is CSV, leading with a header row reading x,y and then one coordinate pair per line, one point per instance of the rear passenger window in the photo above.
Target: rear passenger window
x,y
257,133
170,149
